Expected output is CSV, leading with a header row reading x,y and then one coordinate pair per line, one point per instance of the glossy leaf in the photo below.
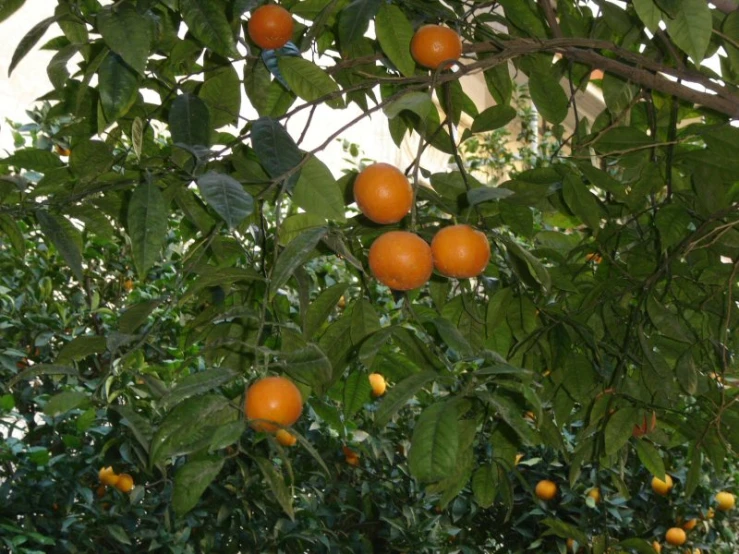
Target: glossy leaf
x,y
147,226
227,197
190,482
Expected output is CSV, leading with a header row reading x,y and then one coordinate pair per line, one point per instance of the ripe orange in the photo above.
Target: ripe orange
x,y
690,524
546,490
725,500
662,487
128,285
107,476
570,545
676,536
657,547
460,251
270,27
383,194
124,483
378,384
433,44
274,399
401,260
285,438
594,493
351,457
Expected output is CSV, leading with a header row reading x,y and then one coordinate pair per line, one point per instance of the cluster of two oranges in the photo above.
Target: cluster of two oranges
x,y
402,260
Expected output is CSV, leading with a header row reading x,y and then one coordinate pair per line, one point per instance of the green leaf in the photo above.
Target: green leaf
x,y
293,256
365,321
118,85
357,393
221,91
650,458
673,222
90,159
276,482
621,139
692,480
548,96
509,412
13,232
419,103
321,308
126,33
565,530
318,193
79,348
618,93
36,370
118,533
400,394
189,121
64,237
354,20
640,545
435,443
135,316
190,482
487,194
147,226
197,383
64,402
274,147
9,7
207,21
394,32
190,427
691,28
649,13
28,41
493,118
485,485
582,202
227,435
666,322
138,424
499,83
294,225
309,365
619,429
537,269
227,197
519,14
33,159
307,80
453,338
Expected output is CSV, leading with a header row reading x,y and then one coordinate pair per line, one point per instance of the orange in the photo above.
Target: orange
x,y
274,399
401,260
519,457
378,384
546,490
124,483
432,45
726,501
570,545
128,285
460,251
676,536
352,458
383,194
662,487
710,514
657,547
107,476
285,438
100,491
594,493
690,524
270,27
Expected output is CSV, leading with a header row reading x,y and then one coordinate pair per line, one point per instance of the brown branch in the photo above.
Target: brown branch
x,y
551,17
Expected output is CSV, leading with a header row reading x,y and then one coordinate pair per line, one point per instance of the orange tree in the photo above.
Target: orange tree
x,y
161,252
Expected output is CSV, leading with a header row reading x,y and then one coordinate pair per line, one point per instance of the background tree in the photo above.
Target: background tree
x,y
159,256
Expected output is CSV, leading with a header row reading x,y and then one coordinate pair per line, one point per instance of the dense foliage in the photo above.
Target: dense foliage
x,y
160,250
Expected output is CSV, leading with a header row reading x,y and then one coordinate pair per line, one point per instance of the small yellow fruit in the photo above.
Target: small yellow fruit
x,y
378,384
662,487
128,285
570,545
286,438
519,457
546,490
726,501
710,513
657,547
690,524
124,483
594,493
676,536
107,476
